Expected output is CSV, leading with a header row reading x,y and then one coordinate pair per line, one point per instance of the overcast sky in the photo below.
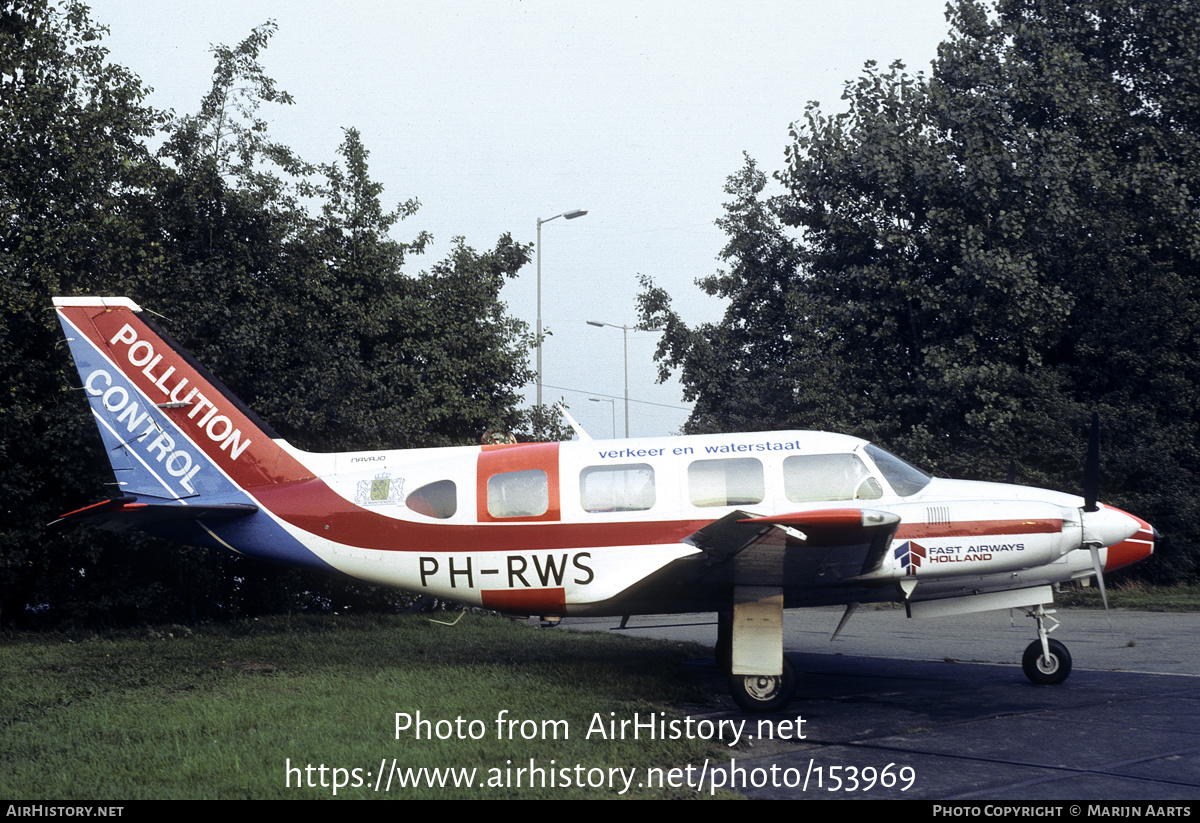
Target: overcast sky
x,y
494,114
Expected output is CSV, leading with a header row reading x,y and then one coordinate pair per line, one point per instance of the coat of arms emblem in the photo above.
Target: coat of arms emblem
x,y
382,490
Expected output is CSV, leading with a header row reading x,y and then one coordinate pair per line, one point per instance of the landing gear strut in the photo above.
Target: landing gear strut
x,y
724,649
1045,662
750,649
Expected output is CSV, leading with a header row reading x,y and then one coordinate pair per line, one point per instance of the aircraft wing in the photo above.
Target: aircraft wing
x,y
813,548
823,548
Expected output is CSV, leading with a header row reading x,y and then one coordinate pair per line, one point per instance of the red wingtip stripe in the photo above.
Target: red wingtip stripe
x,y
820,517
115,504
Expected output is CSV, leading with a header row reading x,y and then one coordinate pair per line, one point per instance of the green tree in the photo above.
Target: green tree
x,y
306,312
312,319
403,360
74,174
987,254
731,370
334,342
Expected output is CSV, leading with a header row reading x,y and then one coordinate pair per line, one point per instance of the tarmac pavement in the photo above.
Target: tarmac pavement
x,y
1158,642
940,708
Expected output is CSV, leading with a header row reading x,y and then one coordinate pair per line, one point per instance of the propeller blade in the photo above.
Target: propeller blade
x,y
1011,479
1100,581
1091,468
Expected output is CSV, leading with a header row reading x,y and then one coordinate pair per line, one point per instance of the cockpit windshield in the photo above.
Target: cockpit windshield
x,y
904,479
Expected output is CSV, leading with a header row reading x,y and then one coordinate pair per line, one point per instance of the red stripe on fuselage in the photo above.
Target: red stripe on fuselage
x,y
313,506
976,528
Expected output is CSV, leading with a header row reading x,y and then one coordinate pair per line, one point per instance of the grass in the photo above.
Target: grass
x,y
221,712
1133,596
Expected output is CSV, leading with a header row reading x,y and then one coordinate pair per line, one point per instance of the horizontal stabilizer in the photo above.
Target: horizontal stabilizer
x,y
120,512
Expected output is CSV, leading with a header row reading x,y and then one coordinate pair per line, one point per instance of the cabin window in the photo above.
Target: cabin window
x,y
438,499
628,488
518,494
810,477
733,482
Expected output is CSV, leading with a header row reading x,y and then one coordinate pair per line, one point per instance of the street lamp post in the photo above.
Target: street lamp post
x,y
570,215
625,334
614,411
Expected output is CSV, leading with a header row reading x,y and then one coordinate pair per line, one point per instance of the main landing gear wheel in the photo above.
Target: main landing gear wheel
x,y
1046,671
758,693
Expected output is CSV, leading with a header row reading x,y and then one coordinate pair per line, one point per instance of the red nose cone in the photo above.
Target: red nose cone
x,y
1138,547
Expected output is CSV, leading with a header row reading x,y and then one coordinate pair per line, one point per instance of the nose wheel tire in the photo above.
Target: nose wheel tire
x,y
757,693
1046,671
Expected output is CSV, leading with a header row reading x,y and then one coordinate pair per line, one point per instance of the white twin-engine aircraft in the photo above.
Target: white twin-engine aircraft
x,y
742,524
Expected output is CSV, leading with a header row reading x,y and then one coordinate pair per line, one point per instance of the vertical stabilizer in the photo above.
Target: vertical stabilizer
x,y
170,428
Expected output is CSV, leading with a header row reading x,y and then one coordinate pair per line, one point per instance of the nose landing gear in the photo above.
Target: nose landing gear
x,y
1046,662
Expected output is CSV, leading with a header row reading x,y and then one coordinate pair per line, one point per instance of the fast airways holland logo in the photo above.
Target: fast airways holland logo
x,y
911,555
